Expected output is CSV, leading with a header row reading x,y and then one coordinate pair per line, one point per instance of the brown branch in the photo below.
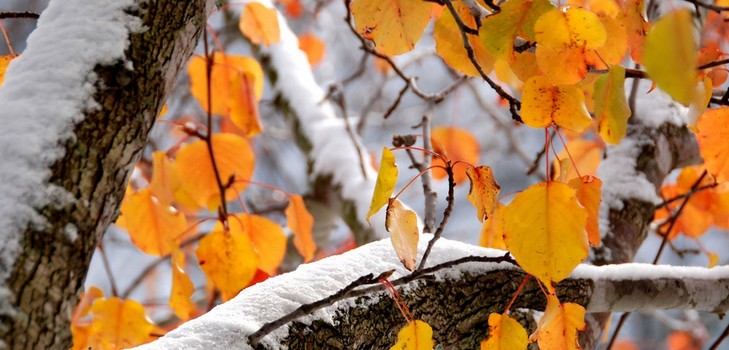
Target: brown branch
x,y
711,7
450,199
13,15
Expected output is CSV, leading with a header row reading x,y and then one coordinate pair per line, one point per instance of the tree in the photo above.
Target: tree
x,y
51,235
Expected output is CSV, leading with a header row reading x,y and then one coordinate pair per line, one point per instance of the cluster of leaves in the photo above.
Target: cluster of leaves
x,y
569,75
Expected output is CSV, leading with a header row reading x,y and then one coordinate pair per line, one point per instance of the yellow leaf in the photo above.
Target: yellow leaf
x,y
313,47
80,327
118,324
544,229
182,288
449,43
492,229
416,335
404,234
614,49
259,24
385,185
559,325
234,158
505,333
713,259
228,259
301,223
544,104
153,227
589,195
636,27
268,238
670,55
393,25
455,144
4,62
484,191
611,106
516,18
713,134
236,86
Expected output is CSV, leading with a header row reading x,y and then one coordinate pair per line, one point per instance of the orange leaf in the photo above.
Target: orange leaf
x,y
80,328
404,234
682,340
416,335
259,24
313,47
385,185
293,7
455,144
449,43
586,155
233,157
165,181
505,333
636,27
492,229
301,223
544,104
559,325
544,229
4,62
393,25
182,288
236,86
118,324
713,133
268,238
614,49
228,259
153,227
484,191
704,208
589,195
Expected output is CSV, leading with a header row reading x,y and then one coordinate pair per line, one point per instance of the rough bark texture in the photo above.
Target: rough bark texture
x,y
49,273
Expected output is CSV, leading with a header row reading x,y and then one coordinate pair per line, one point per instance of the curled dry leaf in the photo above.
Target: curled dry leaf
x,y
484,191
404,234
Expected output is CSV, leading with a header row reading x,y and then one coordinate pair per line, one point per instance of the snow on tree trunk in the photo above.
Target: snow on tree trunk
x,y
76,109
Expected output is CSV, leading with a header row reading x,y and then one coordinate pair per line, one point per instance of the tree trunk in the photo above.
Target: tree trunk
x,y
47,276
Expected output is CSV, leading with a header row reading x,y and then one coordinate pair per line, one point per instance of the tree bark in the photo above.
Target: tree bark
x,y
47,277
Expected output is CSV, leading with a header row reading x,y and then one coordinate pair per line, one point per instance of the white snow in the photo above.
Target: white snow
x,y
46,91
333,150
228,325
656,107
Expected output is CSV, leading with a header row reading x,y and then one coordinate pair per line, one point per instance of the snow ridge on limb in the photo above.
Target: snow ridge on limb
x,y
46,92
228,325
333,151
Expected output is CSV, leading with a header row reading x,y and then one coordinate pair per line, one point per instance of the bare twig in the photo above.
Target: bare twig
x,y
107,268
712,7
450,199
26,14
721,338
396,102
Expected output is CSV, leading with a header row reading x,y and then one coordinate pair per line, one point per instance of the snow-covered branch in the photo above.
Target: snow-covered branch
x,y
456,301
76,108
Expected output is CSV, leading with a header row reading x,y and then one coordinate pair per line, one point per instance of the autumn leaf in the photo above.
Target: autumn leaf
x,y
611,107
484,191
301,223
492,229
564,38
293,7
80,327
182,288
234,157
586,155
614,50
236,86
4,62
589,195
559,325
259,24
670,55
544,103
416,335
393,25
455,144
544,229
118,324
636,27
449,43
153,227
516,19
313,47
268,239
505,333
385,184
404,234
228,259
713,133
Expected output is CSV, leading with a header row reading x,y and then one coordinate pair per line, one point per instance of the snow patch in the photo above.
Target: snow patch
x,y
656,108
46,91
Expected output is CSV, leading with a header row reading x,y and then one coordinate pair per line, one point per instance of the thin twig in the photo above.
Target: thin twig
x,y
712,7
721,338
336,94
396,102
450,199
538,158
11,15
107,267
